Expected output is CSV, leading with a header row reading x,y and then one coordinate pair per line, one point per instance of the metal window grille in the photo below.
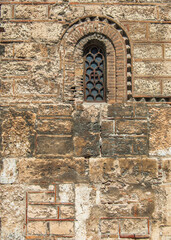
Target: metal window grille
x,y
94,74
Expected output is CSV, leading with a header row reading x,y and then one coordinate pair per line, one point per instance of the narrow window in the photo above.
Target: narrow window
x,y
94,74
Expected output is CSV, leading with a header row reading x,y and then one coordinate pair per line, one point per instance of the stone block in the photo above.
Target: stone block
x,y
134,226
160,32
167,87
6,50
165,13
140,146
59,11
116,146
41,197
109,227
160,131
36,228
141,110
54,145
144,51
152,68
137,31
36,85
167,51
166,166
42,211
62,228
146,87
87,122
66,212
131,127
135,167
6,88
66,193
48,170
124,146
87,146
47,31
55,110
14,68
16,31
31,12
107,128
135,12
9,171
120,110
6,12
54,126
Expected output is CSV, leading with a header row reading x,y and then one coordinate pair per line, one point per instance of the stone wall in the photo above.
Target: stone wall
x,y
76,170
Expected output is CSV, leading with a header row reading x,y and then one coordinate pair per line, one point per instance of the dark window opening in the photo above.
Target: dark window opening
x,y
94,73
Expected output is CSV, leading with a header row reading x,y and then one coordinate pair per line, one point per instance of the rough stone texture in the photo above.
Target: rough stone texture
x,y
72,170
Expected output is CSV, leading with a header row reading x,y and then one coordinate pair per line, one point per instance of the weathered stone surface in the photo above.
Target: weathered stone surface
x,y
152,68
62,228
135,12
124,146
43,211
167,52
147,87
55,126
46,171
120,110
31,12
17,31
46,31
131,127
137,31
160,131
148,51
166,87
36,228
54,145
159,31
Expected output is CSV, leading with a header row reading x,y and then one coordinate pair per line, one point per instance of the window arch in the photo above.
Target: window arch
x,y
94,72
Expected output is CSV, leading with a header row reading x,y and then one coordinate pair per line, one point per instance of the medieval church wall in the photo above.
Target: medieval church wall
x,y
77,169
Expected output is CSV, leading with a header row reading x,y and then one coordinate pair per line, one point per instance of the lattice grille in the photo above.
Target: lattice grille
x,y
94,74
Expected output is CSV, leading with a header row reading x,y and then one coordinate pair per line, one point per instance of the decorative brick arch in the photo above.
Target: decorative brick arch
x,y
115,39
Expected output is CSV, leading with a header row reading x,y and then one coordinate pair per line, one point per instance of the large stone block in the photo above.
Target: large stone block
x,y
14,68
148,86
124,146
54,126
133,12
120,110
62,228
54,145
152,68
6,12
167,52
16,31
42,211
160,31
131,127
48,31
87,146
31,12
36,228
167,87
147,51
165,13
137,31
160,131
55,110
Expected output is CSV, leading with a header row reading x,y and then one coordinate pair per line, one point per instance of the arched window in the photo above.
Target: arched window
x,y
94,72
